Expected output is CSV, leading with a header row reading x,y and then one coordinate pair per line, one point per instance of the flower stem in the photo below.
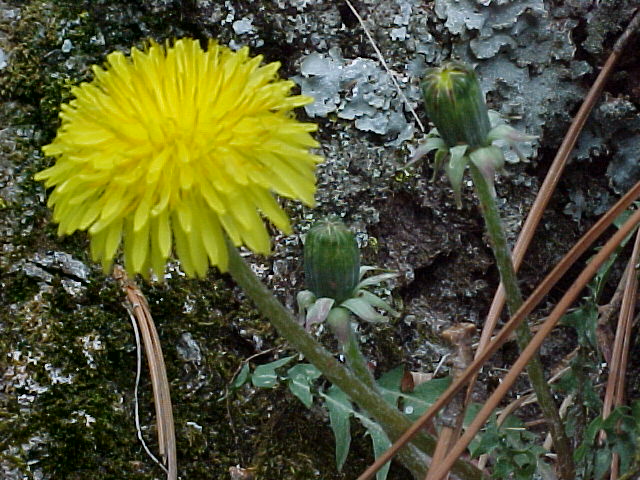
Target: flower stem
x,y
356,360
390,419
566,467
339,320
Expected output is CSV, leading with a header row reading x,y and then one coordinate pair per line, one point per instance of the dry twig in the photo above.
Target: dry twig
x,y
553,177
160,385
522,361
536,297
460,338
618,366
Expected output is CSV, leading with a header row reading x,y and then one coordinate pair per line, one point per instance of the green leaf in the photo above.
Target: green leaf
x,y
265,376
602,462
363,310
389,385
635,411
414,403
592,430
423,396
600,279
242,376
585,320
381,443
301,376
340,410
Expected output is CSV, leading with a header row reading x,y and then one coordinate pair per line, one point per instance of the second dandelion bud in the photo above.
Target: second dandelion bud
x,y
455,104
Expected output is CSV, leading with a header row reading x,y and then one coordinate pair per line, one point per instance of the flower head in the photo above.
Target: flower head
x,y
455,104
335,278
465,129
175,146
331,260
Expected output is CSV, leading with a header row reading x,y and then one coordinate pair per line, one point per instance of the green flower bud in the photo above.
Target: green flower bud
x,y
331,260
455,104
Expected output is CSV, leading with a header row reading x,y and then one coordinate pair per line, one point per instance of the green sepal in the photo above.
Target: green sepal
x,y
304,299
362,309
455,171
319,311
441,158
488,160
339,320
376,301
430,144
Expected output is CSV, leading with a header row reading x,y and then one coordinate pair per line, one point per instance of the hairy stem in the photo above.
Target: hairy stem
x,y
356,360
566,467
390,419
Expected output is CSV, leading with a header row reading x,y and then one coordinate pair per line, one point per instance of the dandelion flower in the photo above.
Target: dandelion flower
x,y
174,147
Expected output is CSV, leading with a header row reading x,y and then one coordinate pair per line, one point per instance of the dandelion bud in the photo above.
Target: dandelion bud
x,y
455,104
331,260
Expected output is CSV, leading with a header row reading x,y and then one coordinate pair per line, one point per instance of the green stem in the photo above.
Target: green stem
x,y
339,320
390,419
356,360
566,467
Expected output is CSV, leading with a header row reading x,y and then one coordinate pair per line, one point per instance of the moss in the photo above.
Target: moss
x,y
70,360
87,424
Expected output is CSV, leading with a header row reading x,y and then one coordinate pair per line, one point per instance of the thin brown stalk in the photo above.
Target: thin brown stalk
x,y
533,346
604,333
551,181
617,373
616,351
157,371
392,75
460,338
527,307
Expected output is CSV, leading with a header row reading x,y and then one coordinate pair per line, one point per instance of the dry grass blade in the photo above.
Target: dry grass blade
x,y
618,366
551,180
157,371
460,337
526,355
381,59
527,307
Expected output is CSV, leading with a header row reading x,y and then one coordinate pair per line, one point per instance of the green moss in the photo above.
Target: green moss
x,y
67,408
88,423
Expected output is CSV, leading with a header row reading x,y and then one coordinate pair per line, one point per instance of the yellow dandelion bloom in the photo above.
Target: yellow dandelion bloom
x,y
174,147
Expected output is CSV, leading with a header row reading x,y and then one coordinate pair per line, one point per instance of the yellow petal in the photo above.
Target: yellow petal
x,y
271,209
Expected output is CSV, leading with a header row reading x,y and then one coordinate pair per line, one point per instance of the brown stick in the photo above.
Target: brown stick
x,y
157,370
551,181
617,372
536,297
460,338
533,346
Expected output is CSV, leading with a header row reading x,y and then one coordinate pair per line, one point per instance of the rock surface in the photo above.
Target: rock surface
x,y
67,354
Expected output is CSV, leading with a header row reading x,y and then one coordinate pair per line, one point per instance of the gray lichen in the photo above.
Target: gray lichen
x,y
359,90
